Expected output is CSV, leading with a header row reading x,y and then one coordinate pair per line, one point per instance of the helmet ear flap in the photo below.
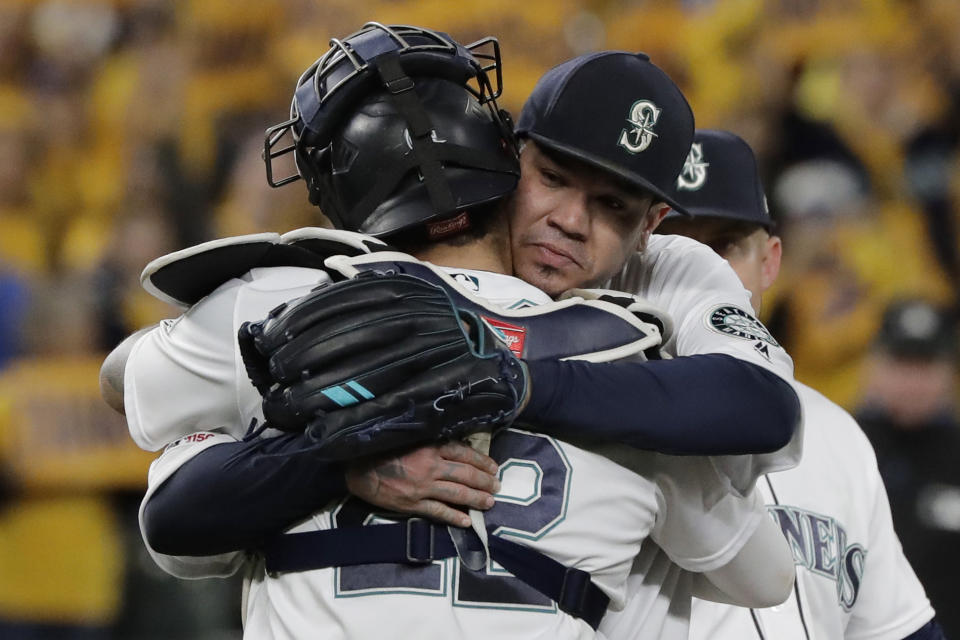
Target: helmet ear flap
x,y
311,165
326,197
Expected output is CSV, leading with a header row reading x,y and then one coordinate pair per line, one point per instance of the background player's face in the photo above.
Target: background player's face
x,y
756,259
571,226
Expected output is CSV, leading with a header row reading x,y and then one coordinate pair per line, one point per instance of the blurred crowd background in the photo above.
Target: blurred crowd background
x,y
132,128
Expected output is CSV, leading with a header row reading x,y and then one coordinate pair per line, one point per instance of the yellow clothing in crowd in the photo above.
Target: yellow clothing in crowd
x,y
61,554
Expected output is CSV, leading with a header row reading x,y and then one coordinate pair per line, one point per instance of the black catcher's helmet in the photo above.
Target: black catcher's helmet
x,y
396,126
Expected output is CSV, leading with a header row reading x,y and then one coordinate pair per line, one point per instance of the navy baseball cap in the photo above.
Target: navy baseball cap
x,y
615,111
720,179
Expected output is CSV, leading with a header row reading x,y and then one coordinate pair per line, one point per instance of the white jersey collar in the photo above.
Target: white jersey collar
x,y
500,289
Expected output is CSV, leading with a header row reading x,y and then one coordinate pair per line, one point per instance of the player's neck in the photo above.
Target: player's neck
x,y
489,253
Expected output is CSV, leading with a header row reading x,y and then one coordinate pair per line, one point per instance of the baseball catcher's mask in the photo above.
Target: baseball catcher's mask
x,y
391,65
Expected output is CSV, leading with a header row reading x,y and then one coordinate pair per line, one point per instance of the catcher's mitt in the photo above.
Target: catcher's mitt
x,y
380,362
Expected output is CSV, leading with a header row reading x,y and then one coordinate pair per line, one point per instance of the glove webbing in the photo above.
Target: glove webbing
x,y
418,541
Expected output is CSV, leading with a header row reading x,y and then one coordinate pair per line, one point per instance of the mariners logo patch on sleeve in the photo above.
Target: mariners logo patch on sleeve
x,y
734,321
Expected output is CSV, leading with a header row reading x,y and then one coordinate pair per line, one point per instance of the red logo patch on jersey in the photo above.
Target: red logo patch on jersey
x,y
511,334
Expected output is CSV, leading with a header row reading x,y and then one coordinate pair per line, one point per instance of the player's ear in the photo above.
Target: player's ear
x,y
652,219
772,254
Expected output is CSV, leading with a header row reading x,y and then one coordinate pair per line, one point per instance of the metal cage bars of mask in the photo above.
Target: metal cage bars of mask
x,y
486,59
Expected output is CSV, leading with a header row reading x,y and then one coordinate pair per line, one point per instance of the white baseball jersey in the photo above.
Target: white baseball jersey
x,y
575,505
853,580
711,312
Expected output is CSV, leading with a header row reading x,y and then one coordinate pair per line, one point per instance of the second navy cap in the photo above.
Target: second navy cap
x,y
720,179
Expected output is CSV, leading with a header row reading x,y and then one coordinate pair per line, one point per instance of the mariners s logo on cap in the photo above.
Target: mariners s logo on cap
x,y
694,174
643,116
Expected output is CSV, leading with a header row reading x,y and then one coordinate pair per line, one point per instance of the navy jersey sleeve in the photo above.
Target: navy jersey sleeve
x,y
709,404
233,496
930,631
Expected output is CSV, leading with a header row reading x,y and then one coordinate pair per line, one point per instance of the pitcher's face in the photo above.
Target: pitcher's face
x,y
573,226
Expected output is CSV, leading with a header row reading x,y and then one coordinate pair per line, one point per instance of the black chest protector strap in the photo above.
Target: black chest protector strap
x,y
416,542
